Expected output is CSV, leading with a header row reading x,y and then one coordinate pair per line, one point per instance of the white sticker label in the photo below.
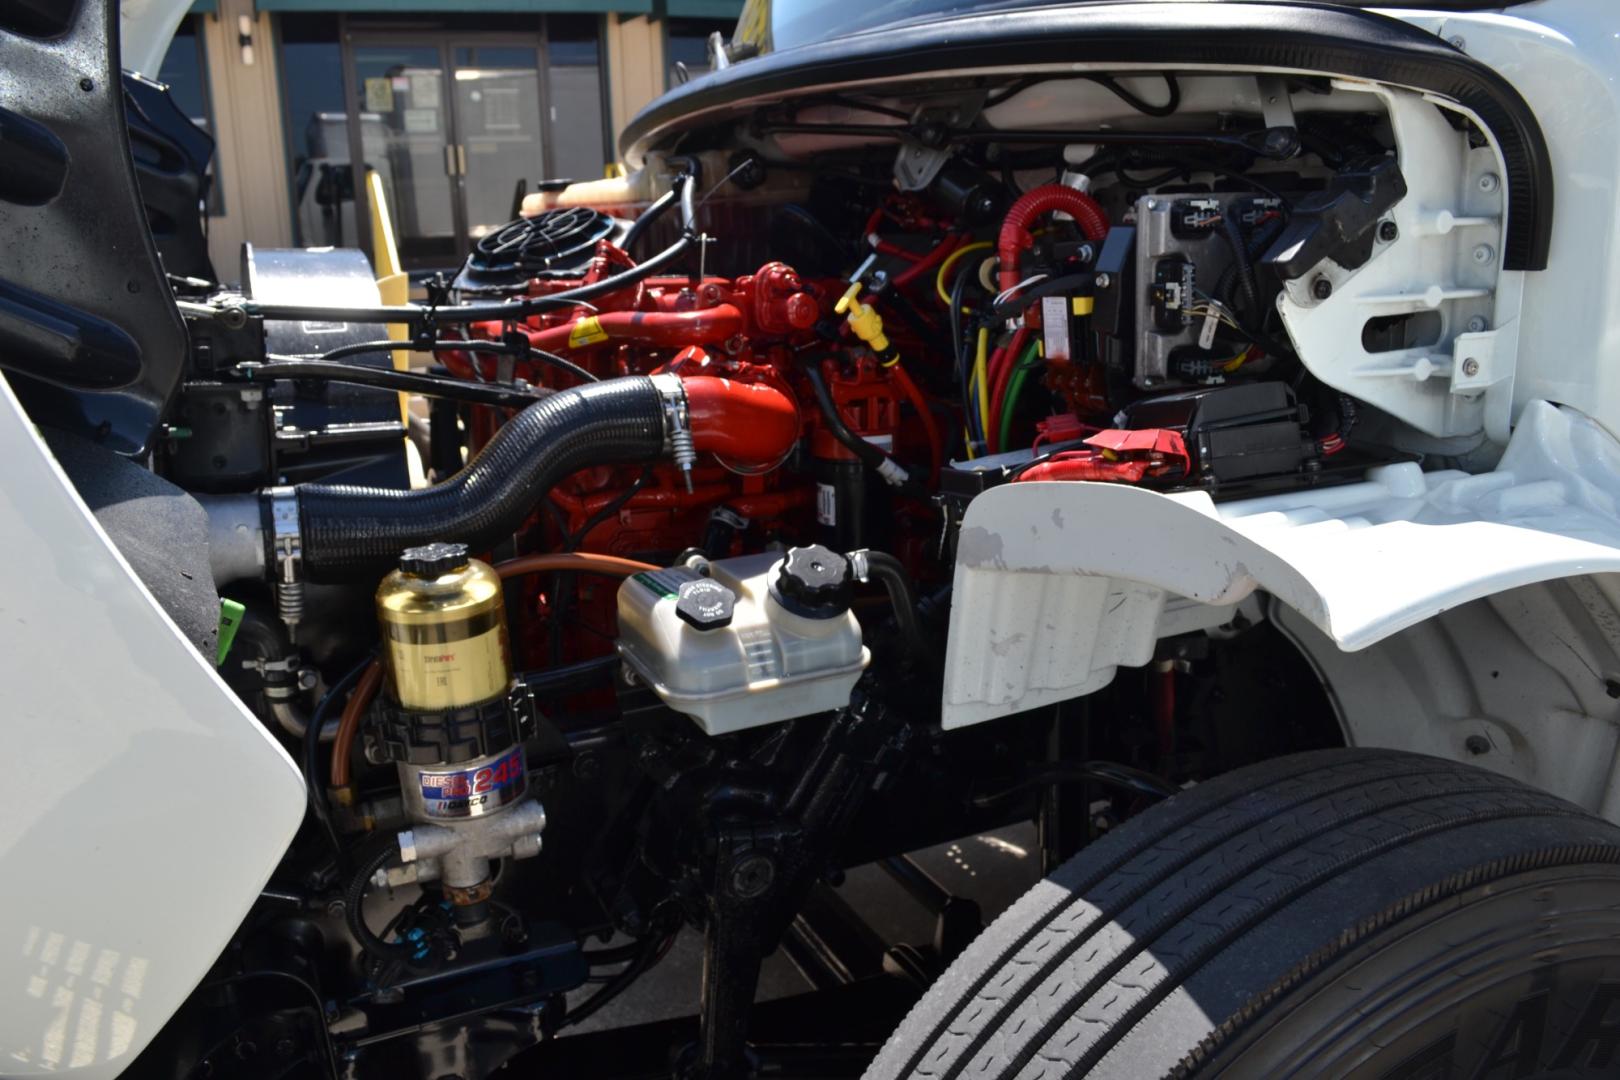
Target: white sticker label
x,y
1055,327
1206,333
826,504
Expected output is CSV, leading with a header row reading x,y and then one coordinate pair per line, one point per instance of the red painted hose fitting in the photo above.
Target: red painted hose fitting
x,y
748,426
1031,205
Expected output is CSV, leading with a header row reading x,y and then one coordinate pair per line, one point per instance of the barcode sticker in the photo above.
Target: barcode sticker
x,y
826,504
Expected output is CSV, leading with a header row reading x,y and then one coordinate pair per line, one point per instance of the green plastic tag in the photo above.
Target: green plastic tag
x,y
230,618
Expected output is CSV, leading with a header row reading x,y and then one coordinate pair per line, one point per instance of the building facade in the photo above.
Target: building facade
x,y
457,106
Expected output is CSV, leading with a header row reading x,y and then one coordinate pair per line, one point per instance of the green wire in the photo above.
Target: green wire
x,y
1026,363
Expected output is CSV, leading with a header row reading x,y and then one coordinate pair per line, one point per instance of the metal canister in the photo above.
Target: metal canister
x,y
443,623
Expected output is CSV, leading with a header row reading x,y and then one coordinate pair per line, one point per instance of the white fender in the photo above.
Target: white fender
x,y
1057,584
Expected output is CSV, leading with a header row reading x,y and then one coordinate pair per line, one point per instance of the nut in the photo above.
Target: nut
x,y
1321,288
751,876
1388,231
1470,367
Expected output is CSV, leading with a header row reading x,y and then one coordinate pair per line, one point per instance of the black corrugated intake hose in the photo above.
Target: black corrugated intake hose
x,y
350,532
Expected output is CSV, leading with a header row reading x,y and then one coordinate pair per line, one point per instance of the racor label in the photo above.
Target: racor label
x,y
464,793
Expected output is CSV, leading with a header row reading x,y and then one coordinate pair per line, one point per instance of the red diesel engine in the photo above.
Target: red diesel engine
x,y
797,410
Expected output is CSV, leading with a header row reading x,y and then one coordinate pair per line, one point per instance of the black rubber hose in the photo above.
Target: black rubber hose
x,y
1245,270
891,574
354,913
522,352
869,454
409,382
348,531
647,218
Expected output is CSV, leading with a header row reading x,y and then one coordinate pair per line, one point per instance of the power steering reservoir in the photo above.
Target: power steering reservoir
x,y
760,639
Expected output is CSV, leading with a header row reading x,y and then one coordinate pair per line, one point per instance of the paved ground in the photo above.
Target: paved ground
x,y
994,869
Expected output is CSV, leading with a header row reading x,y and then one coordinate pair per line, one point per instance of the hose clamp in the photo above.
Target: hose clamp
x,y
287,549
677,424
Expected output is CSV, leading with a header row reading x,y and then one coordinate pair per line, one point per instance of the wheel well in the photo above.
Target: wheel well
x,y
1524,682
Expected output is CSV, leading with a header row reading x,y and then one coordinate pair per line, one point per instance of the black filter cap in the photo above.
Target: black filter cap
x,y
705,604
815,582
431,560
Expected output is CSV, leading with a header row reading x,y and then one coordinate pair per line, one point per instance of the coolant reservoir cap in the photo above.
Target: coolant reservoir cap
x,y
814,582
433,560
705,604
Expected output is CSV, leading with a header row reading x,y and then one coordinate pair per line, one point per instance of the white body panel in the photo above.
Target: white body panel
x,y
1563,56
1058,584
145,806
145,29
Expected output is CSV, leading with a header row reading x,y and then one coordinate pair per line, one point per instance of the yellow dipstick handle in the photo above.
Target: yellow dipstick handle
x,y
867,323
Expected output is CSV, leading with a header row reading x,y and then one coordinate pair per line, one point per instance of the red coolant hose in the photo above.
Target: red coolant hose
x,y
936,443
748,426
1015,235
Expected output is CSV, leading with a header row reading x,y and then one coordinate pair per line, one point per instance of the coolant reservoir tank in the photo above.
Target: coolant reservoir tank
x,y
761,639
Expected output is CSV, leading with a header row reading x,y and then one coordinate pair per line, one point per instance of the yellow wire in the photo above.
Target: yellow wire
x,y
979,373
950,261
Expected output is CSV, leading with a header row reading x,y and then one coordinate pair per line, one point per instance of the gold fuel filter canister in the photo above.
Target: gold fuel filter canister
x,y
443,623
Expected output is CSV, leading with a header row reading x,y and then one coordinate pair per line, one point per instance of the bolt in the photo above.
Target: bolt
x,y
1470,367
1103,281
1477,324
1457,42
587,766
1477,745
335,908
1484,253
87,84
1279,142
1488,182
1153,204
132,286
751,876
1321,288
1388,231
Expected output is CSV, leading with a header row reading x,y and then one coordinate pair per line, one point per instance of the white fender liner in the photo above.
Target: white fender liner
x,y
1058,584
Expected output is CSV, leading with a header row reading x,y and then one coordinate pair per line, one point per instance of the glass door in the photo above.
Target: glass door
x,y
497,100
407,136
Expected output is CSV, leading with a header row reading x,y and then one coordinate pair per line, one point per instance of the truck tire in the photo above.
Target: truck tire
x,y
1343,913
